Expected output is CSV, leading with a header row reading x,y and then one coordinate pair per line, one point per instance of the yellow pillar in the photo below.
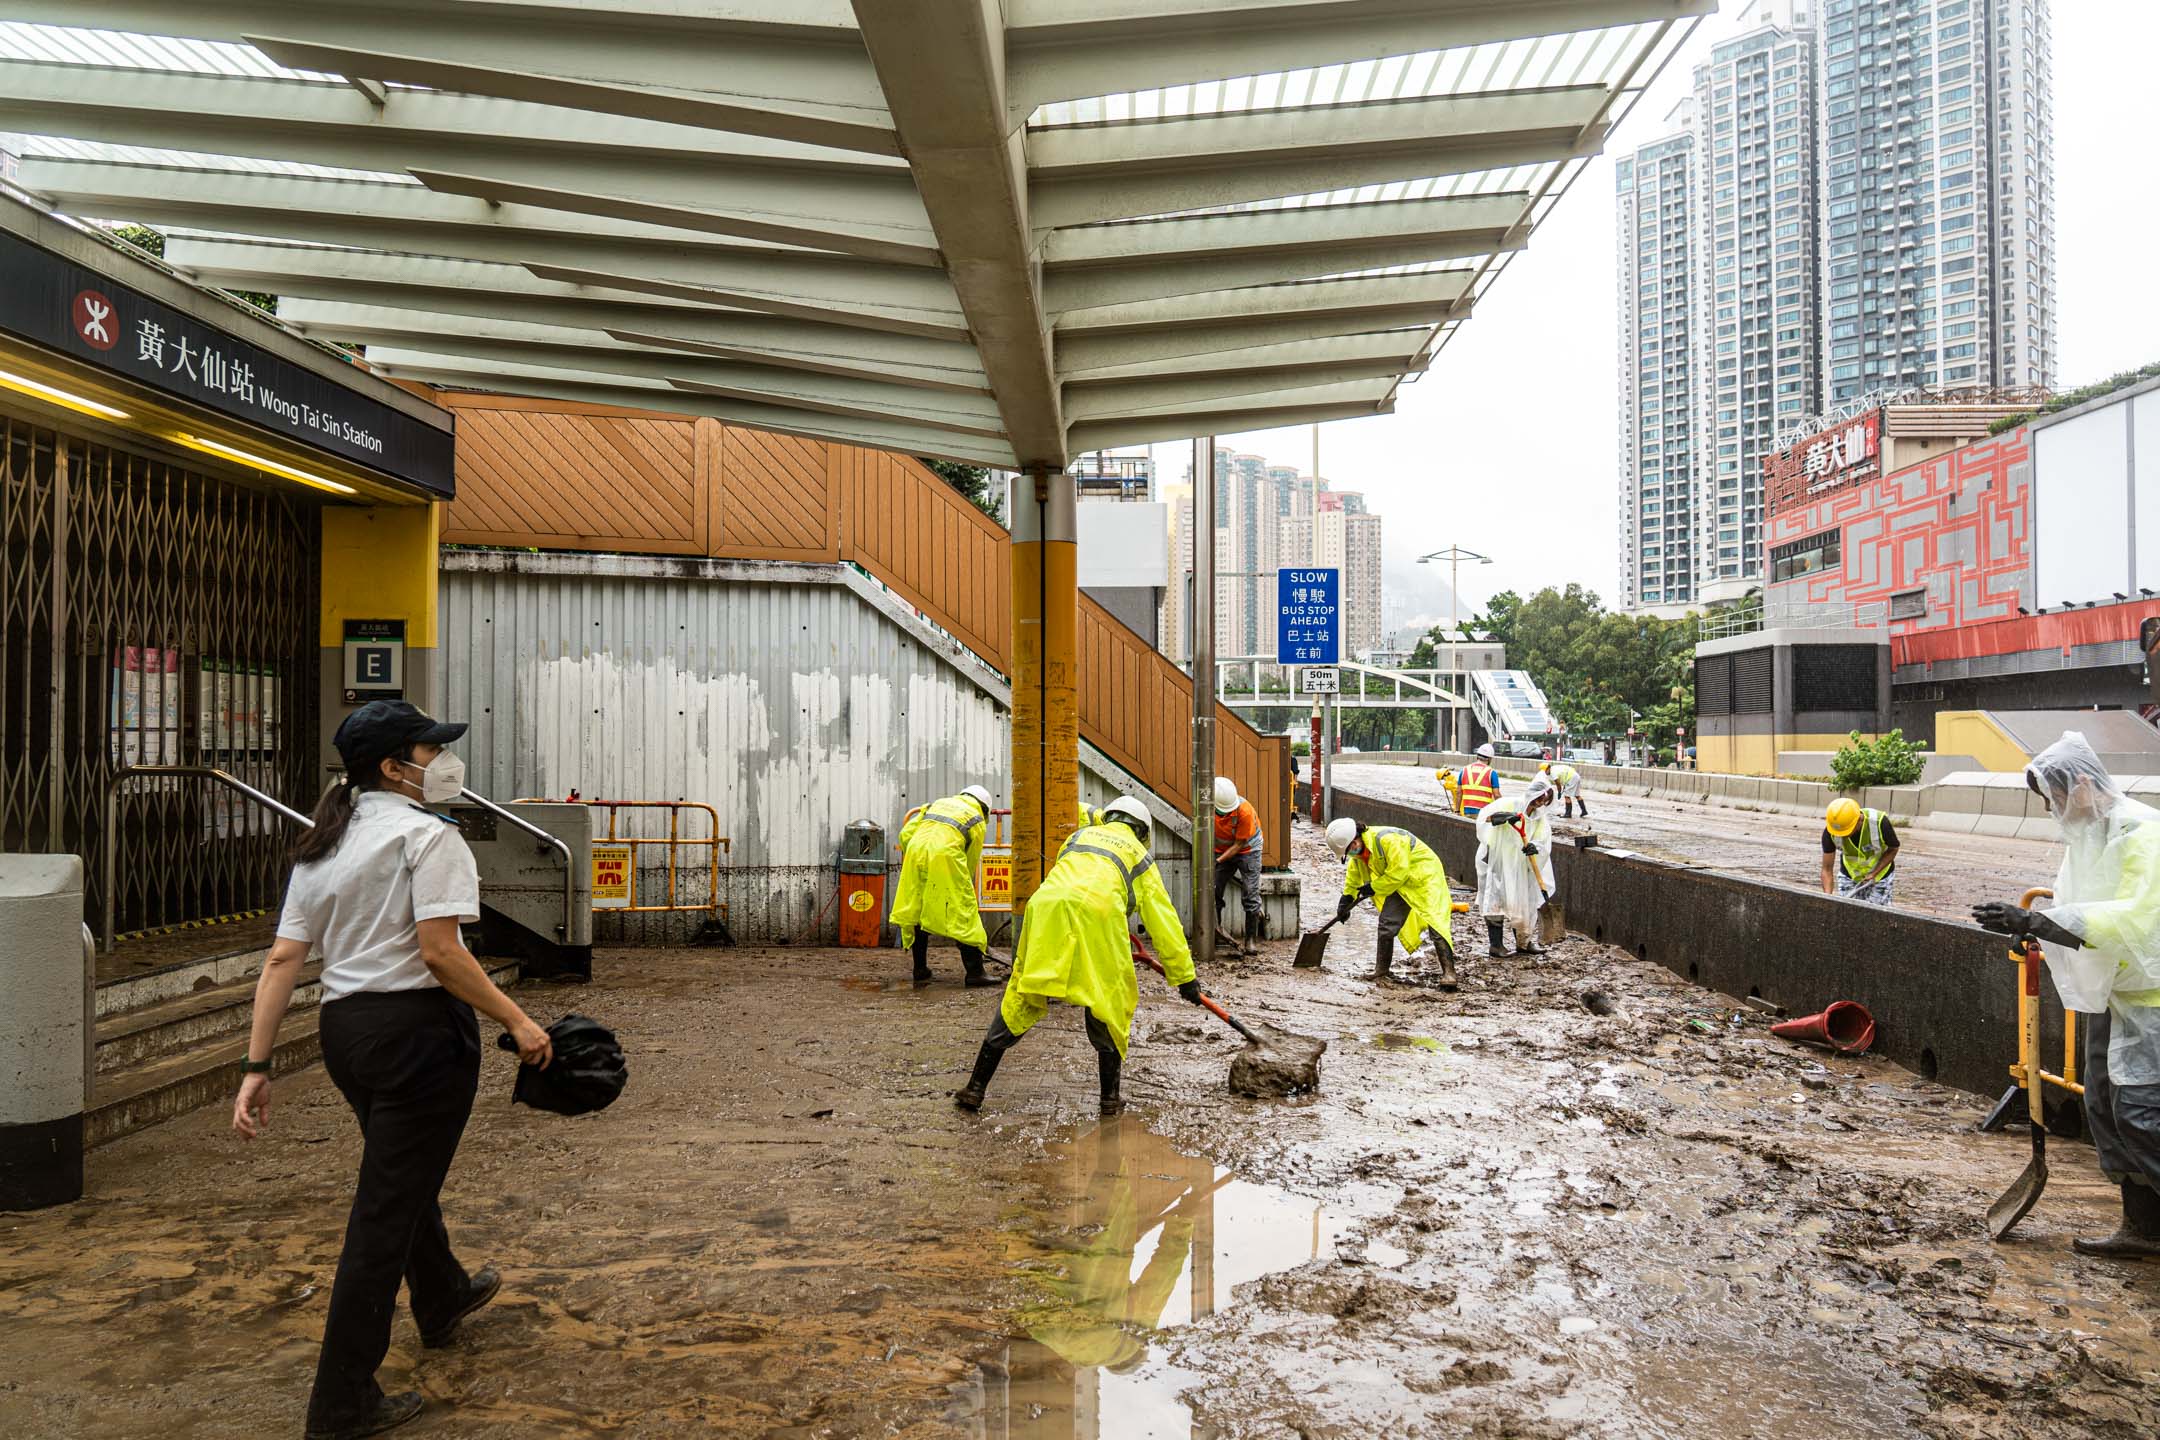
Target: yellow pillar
x,y
379,562
1045,709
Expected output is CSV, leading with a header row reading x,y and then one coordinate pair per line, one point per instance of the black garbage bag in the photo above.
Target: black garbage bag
x,y
587,1073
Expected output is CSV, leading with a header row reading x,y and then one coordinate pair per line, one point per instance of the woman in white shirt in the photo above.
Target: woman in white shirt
x,y
379,886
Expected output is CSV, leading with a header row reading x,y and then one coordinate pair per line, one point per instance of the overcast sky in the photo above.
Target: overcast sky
x,y
1508,446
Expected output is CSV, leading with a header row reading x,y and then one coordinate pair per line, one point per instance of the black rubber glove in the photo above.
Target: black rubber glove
x,y
1530,849
2006,919
1191,991
1366,893
1343,908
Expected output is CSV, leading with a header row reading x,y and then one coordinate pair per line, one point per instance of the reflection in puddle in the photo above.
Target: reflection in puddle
x,y
1388,1040
1137,1236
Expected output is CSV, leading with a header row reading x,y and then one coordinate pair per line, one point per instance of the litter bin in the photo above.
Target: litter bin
x,y
862,885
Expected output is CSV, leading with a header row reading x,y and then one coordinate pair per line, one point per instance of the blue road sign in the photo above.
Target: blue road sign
x,y
1308,625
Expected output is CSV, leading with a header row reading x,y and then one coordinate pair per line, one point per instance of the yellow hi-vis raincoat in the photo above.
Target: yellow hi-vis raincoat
x,y
1089,815
1395,862
1074,942
940,848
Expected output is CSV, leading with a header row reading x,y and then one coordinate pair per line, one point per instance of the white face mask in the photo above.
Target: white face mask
x,y
442,778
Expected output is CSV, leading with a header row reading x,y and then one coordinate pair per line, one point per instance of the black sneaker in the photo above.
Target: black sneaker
x,y
484,1286
390,1412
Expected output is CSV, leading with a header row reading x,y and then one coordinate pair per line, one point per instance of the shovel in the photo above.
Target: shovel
x,y
2013,1204
1141,949
1312,946
1279,1065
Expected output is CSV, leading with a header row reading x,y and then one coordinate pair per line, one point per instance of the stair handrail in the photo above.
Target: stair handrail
x,y
118,782
554,842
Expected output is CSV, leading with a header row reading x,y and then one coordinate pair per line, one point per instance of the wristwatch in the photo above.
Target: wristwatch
x,y
254,1067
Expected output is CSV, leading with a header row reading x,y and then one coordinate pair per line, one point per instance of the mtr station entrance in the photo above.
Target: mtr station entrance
x,y
199,510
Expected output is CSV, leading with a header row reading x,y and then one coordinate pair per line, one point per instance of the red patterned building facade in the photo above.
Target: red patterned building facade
x,y
1939,545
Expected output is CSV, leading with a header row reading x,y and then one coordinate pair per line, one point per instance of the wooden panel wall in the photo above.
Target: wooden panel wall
x,y
920,536
558,476
533,472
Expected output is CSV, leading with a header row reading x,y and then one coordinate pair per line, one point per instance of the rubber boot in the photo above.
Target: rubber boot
x,y
1494,938
969,1097
1109,1066
971,960
1383,965
922,957
2138,1237
1447,968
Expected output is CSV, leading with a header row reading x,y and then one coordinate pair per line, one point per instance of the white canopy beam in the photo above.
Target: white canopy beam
x,y
1071,49
1085,173
942,66
1113,264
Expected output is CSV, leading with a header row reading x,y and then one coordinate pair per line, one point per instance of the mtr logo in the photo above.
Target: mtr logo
x,y
96,323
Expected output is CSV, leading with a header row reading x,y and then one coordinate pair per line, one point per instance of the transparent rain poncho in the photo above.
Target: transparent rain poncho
x,y
1513,885
2108,895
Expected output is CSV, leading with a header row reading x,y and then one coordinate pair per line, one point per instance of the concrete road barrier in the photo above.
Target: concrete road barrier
x,y
1943,994
44,1030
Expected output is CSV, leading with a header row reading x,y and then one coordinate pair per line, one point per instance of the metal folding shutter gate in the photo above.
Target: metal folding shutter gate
x,y
152,614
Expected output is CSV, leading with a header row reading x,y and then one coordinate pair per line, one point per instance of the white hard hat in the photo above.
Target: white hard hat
x,y
1341,835
1485,751
979,795
1225,795
1128,808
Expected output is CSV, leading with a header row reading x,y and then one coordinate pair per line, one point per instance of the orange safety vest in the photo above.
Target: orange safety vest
x,y
1480,787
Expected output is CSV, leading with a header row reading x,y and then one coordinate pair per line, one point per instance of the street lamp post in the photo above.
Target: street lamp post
x,y
1455,555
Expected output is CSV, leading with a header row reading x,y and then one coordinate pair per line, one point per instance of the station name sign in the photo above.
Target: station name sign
x,y
82,314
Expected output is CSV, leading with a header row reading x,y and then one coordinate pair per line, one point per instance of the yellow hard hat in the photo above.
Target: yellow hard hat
x,y
1843,817
1543,766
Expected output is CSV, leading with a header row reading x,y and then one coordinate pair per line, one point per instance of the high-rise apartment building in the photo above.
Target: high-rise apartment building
x,y
1857,203
1260,529
1939,217
1758,365
1657,408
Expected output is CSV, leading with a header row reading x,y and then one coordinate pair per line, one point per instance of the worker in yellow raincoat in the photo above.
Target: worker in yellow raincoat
x,y
1076,947
1399,872
940,848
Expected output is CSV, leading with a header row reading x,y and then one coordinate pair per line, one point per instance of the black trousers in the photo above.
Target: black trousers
x,y
1245,869
2124,1119
408,1062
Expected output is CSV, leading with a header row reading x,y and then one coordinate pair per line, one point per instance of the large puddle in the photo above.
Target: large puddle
x,y
1134,1237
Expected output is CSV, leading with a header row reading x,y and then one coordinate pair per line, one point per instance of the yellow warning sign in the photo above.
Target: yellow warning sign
x,y
860,901
995,882
614,877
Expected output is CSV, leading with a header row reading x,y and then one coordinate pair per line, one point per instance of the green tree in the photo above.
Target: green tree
x,y
142,237
973,482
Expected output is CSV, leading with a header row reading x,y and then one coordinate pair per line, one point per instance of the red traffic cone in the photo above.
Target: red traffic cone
x,y
1845,1027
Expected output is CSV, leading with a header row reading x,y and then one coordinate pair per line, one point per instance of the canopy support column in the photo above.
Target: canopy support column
x,y
1045,704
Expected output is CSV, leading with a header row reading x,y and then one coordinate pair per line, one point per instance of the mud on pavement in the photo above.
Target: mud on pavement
x,y
1501,1214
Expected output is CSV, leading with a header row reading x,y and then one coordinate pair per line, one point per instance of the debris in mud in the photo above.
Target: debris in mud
x,y
1286,1064
1597,1002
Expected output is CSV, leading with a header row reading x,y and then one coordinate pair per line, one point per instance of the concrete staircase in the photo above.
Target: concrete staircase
x,y
172,1039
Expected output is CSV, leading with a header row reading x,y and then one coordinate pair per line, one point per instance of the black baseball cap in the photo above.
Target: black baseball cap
x,y
381,728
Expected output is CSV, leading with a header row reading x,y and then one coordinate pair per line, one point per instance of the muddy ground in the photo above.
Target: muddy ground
x,y
1940,872
1501,1215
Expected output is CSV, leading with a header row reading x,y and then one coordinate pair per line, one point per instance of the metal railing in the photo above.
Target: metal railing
x,y
713,843
1427,688
126,773
119,781
1805,615
552,842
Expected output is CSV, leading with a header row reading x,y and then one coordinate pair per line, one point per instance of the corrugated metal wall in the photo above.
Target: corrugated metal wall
x,y
790,707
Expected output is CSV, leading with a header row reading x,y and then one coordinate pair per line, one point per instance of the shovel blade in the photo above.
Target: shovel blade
x,y
1311,948
2014,1203
1551,924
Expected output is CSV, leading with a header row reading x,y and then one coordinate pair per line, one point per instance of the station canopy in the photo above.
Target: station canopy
x,y
1007,233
